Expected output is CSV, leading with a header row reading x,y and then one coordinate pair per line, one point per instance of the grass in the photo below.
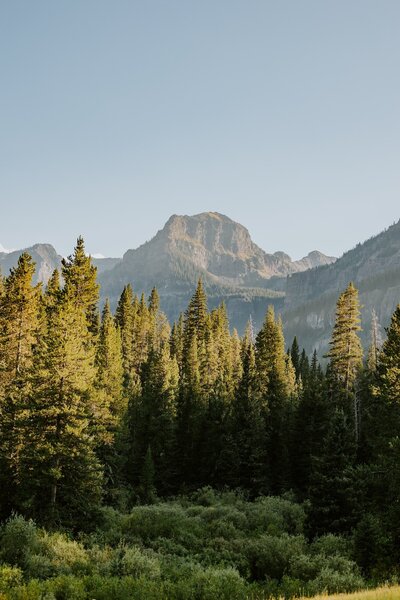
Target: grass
x,y
381,593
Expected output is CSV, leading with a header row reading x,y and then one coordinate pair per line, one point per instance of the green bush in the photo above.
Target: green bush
x,y
208,546
270,556
275,516
221,584
18,539
332,581
9,577
138,563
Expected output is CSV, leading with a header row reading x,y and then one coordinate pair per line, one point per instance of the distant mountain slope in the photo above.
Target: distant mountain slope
x,y
373,266
219,250
44,255
47,259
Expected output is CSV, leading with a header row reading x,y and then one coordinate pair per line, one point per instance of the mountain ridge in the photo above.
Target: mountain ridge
x,y
236,270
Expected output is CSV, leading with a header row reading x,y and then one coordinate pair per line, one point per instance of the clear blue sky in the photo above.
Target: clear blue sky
x,y
284,115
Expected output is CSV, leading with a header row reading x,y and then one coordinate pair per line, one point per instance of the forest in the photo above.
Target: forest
x,y
148,460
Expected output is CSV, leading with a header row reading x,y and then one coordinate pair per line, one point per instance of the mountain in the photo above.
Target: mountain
x,y
235,270
44,255
219,250
46,258
310,298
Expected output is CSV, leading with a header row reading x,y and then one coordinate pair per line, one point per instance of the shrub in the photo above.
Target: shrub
x,y
9,577
212,583
275,516
270,556
137,563
18,539
332,581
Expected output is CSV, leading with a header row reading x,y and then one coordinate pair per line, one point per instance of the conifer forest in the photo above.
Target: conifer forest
x,y
152,460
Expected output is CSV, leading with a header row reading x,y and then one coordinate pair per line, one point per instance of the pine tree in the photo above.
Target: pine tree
x,y
190,417
375,342
61,477
386,387
147,489
125,317
177,342
274,391
310,429
345,347
19,314
109,403
381,431
346,354
153,421
81,287
332,486
295,356
20,323
244,455
196,317
109,366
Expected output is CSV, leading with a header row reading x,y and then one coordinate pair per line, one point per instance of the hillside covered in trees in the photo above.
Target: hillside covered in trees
x,y
143,459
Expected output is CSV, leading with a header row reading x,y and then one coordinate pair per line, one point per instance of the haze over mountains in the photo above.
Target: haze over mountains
x,y
247,278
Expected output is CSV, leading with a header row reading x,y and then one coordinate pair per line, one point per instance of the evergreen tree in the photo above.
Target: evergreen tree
x,y
20,323
375,343
274,389
345,347
81,287
295,356
177,342
147,489
60,475
244,455
196,317
346,353
332,489
153,420
311,427
109,402
125,317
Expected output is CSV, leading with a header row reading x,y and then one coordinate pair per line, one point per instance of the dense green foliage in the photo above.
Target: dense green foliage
x,y
126,412
207,546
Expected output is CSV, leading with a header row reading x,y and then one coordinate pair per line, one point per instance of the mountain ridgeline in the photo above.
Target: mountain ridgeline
x,y
235,270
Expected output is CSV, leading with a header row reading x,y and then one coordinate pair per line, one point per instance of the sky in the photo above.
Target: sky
x,y
115,114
